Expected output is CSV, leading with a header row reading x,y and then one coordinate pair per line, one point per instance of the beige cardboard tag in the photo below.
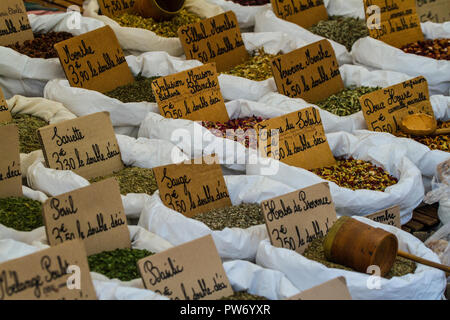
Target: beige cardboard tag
x,y
390,216
85,145
297,139
193,94
433,10
304,13
14,24
295,219
5,114
193,188
391,9
191,271
111,8
217,39
335,289
44,275
384,109
10,174
311,72
94,214
94,61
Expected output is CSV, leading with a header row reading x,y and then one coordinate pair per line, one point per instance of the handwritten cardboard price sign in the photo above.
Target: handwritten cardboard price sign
x,y
217,39
44,275
5,114
295,219
191,271
193,94
335,289
111,8
384,109
433,10
14,23
311,73
297,139
193,188
391,9
94,61
94,214
85,145
10,174
304,13
390,216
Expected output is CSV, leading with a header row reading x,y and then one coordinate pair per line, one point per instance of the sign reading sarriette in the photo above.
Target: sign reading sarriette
x,y
14,24
10,172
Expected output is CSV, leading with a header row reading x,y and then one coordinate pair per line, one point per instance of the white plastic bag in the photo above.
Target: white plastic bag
x,y
424,283
441,193
20,74
439,242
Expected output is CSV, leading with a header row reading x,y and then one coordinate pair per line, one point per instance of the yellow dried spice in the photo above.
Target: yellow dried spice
x,y
257,68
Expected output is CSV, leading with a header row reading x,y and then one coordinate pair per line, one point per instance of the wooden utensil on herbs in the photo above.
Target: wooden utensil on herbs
x,y
421,124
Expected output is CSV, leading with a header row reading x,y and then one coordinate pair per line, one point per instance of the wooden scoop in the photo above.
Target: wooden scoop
x,y
420,124
424,261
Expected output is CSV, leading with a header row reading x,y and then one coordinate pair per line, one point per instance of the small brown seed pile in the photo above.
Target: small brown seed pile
x,y
42,45
437,49
244,295
257,68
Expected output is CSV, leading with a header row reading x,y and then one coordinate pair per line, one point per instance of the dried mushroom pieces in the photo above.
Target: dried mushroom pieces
x,y
133,180
436,49
357,174
343,30
42,45
244,295
256,68
251,2
118,264
346,102
316,253
21,214
138,91
168,29
28,126
242,216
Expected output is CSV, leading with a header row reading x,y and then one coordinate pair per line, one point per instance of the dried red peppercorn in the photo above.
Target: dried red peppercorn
x,y
436,49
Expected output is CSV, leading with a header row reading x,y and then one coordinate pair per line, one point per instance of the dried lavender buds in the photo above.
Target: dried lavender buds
x,y
316,253
257,68
21,214
133,180
42,45
118,264
242,216
138,91
251,2
28,126
357,174
436,49
166,29
345,102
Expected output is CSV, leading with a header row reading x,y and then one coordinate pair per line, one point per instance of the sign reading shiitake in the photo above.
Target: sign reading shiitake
x,y
86,145
304,13
384,109
311,72
10,174
335,289
390,216
94,214
111,8
5,114
14,24
433,10
94,61
297,139
193,94
296,219
399,25
191,271
58,273
194,187
217,39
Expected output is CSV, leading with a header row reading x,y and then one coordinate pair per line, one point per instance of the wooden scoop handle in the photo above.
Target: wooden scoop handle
x,y
442,131
424,261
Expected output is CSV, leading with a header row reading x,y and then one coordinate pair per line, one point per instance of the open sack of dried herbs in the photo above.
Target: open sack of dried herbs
x,y
136,180
137,35
405,281
430,58
236,230
25,69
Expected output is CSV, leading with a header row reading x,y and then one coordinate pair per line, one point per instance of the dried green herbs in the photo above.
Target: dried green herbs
x,y
21,214
345,102
133,180
242,216
138,91
257,68
315,252
42,45
343,30
118,264
244,295
166,29
28,126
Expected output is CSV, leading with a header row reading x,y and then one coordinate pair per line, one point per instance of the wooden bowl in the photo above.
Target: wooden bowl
x,y
418,124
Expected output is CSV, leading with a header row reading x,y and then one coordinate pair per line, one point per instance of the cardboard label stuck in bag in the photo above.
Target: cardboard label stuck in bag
x,y
311,72
112,8
390,216
94,61
10,172
86,145
304,13
335,289
433,10
14,24
5,113
193,94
